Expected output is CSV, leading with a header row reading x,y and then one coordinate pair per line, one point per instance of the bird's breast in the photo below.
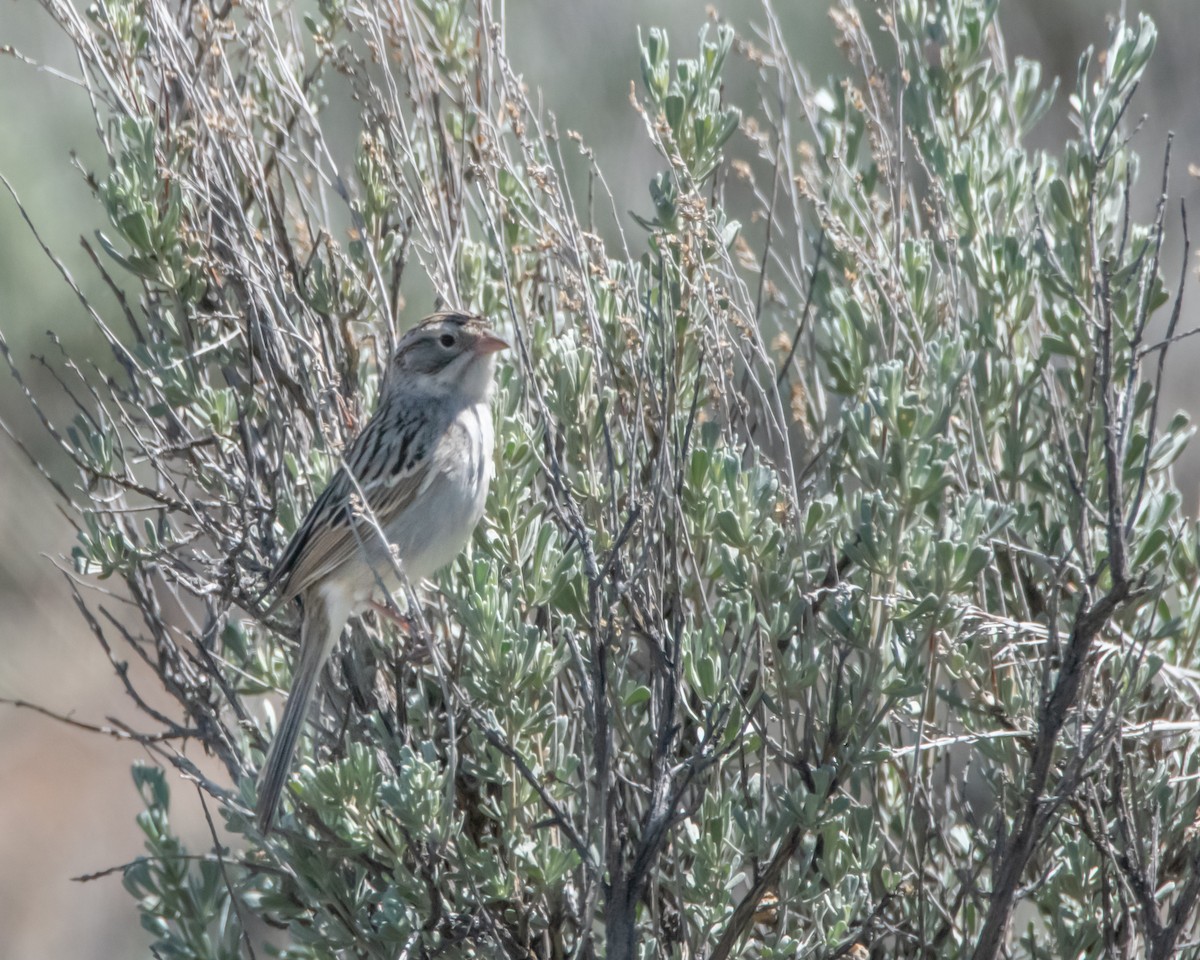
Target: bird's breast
x,y
435,527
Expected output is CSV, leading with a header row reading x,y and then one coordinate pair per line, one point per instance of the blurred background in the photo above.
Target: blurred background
x,y
68,807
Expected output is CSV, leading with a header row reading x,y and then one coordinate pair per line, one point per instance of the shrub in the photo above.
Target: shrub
x,y
834,594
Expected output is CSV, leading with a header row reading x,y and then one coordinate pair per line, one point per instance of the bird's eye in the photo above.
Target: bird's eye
x,y
446,340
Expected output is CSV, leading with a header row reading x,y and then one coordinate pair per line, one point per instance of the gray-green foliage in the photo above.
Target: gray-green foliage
x,y
834,589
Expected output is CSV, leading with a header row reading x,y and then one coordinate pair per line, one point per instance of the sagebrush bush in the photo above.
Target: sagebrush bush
x,y
834,595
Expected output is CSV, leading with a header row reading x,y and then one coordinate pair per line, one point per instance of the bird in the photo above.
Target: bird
x,y
417,473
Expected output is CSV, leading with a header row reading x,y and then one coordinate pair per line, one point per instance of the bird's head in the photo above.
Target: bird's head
x,y
447,353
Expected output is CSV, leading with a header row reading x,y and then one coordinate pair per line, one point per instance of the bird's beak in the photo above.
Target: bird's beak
x,y
490,343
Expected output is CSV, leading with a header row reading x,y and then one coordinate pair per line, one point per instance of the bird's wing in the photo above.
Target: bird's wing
x,y
388,465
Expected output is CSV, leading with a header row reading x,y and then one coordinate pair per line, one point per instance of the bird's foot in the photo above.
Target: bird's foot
x,y
416,652
390,613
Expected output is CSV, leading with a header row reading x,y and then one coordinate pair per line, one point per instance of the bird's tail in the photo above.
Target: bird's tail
x,y
318,634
